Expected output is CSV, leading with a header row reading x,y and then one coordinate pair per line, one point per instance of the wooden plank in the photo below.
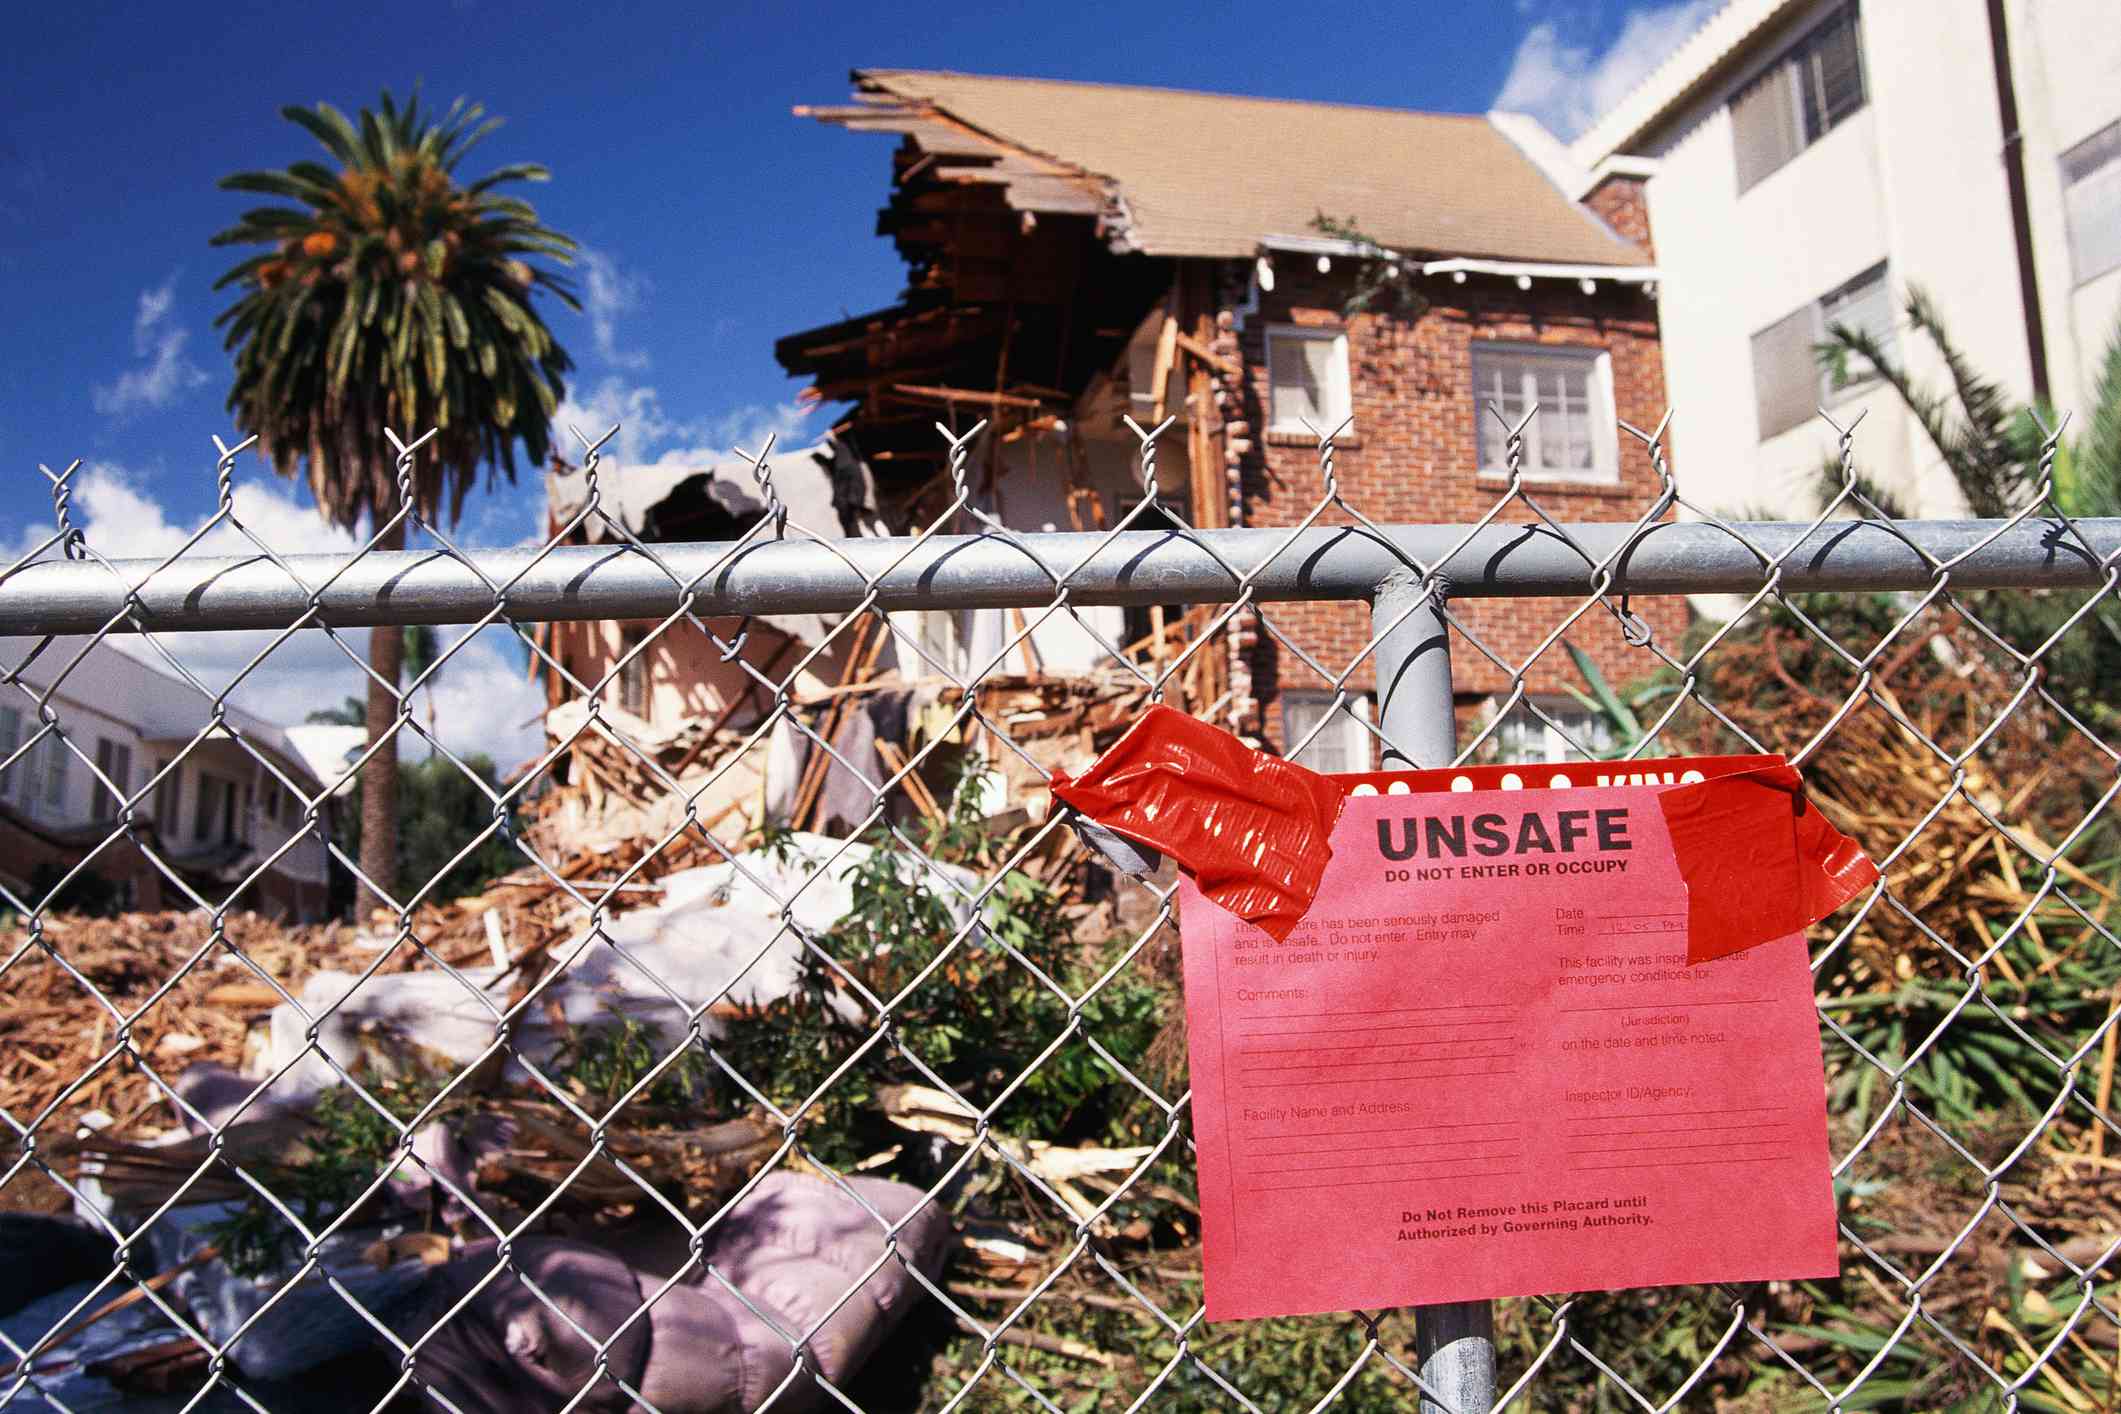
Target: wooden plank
x,y
1227,367
862,652
895,760
966,395
1033,667
1160,372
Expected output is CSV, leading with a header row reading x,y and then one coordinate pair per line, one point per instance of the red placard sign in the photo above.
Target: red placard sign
x,y
1481,1065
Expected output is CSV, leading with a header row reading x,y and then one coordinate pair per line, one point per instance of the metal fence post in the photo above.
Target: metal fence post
x,y
1456,1340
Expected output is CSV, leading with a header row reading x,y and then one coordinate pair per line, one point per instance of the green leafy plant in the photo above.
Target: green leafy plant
x,y
1384,280
440,810
603,1063
347,1145
979,1012
1993,449
1621,713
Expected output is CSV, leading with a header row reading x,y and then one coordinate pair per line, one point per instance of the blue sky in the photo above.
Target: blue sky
x,y
714,220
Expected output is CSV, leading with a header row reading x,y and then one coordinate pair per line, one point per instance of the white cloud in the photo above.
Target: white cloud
x,y
1567,83
482,702
650,436
164,371
607,293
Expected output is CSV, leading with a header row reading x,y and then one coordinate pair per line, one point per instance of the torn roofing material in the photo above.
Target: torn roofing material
x,y
824,489
1173,173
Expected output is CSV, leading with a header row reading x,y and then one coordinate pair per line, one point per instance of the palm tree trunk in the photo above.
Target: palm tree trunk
x,y
379,778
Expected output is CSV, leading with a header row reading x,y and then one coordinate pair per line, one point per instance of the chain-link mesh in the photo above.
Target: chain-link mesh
x,y
519,1122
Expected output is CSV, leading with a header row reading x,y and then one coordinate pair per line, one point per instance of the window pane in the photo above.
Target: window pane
x,y
1799,99
1498,386
56,758
2093,199
1306,383
1560,731
1785,383
1763,127
1832,75
1563,441
1864,304
1342,744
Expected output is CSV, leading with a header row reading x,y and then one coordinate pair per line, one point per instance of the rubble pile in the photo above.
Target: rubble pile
x,y
355,1073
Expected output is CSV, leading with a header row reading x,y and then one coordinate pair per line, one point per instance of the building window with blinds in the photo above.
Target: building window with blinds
x,y
1343,743
1790,384
1307,372
2091,196
1574,438
1801,97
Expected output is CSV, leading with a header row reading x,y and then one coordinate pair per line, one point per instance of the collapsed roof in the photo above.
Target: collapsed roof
x,y
1041,221
1174,173
825,489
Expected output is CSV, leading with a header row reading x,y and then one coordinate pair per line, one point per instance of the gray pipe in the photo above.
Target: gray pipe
x,y
990,571
1454,1341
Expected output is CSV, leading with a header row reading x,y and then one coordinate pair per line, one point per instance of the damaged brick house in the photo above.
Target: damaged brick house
x,y
1078,251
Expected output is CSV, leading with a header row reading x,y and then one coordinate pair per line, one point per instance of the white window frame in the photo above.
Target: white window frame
x,y
1554,744
1339,386
1605,441
1353,738
2102,150
1824,392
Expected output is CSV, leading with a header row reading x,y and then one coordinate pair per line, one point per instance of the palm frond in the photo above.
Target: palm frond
x,y
282,184
515,172
391,295
1977,449
329,126
1828,480
2095,473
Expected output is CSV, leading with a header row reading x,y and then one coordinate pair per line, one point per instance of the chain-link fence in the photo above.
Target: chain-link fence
x,y
769,1040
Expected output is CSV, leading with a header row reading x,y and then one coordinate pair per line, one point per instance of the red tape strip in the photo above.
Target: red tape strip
x,y
1759,860
1252,829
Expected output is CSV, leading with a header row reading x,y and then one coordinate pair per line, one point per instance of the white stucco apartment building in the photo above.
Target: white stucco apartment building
x,y
1806,161
215,810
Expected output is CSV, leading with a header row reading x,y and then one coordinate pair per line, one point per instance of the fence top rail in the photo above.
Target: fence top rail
x,y
805,575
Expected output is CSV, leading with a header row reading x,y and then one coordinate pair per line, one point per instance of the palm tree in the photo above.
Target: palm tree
x,y
1994,450
391,296
1991,446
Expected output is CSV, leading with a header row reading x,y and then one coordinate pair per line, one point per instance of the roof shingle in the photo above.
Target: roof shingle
x,y
1210,175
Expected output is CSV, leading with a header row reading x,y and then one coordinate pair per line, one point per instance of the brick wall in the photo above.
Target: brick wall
x,y
1413,457
1622,201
